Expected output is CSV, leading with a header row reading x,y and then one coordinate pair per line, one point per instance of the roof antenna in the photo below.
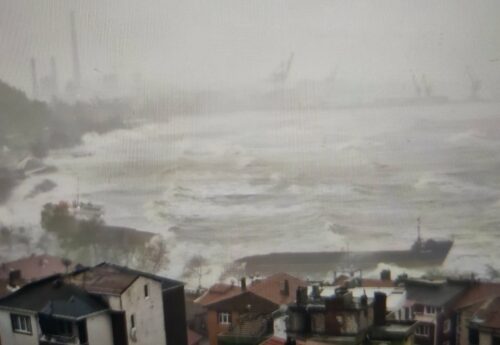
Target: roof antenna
x,y
419,238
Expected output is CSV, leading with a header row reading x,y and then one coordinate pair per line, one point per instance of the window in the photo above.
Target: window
x,y
446,326
423,331
132,321
21,323
146,291
431,310
82,331
224,318
64,328
473,336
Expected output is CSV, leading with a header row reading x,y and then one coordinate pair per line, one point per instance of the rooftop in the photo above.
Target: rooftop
x,y
488,314
270,288
52,296
217,293
478,292
34,267
245,302
109,279
434,293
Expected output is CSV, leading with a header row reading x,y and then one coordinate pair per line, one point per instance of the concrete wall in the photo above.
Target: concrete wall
x,y
99,330
463,319
279,327
148,311
11,338
485,338
114,302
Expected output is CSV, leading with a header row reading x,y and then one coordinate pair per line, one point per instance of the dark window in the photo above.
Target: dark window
x,y
423,330
132,321
82,331
21,323
146,290
64,328
473,336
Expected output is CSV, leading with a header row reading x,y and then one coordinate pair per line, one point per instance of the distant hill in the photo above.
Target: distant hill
x,y
34,126
22,121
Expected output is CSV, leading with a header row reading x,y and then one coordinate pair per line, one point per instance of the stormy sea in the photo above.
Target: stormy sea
x,y
228,185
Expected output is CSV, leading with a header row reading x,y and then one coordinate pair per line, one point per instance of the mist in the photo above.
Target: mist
x,y
369,49
235,128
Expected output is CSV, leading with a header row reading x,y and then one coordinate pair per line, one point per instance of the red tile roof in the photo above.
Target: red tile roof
x,y
218,292
271,288
242,302
34,267
477,293
489,314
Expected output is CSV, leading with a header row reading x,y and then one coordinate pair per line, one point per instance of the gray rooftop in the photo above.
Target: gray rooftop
x,y
52,296
433,293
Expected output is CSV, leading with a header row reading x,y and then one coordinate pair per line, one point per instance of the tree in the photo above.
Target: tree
x,y
196,266
154,256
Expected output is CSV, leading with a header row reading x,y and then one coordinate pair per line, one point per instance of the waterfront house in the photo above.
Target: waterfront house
x,y
101,305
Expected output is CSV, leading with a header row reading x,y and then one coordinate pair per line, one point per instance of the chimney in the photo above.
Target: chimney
x,y
243,284
53,76
301,296
34,78
285,291
385,275
379,308
14,277
74,51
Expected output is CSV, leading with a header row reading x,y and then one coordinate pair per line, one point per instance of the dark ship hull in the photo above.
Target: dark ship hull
x,y
422,254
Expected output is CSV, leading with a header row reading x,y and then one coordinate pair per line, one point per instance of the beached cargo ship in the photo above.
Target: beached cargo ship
x,y
423,253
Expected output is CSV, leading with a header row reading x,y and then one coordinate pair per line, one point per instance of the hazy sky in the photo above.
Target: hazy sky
x,y
221,43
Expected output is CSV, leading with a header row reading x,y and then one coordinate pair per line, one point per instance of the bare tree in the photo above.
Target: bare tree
x,y
154,256
196,266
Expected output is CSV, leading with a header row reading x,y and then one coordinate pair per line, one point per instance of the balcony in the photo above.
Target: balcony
x,y
424,317
60,340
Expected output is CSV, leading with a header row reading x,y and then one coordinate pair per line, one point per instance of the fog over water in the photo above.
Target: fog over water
x,y
235,184
389,111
